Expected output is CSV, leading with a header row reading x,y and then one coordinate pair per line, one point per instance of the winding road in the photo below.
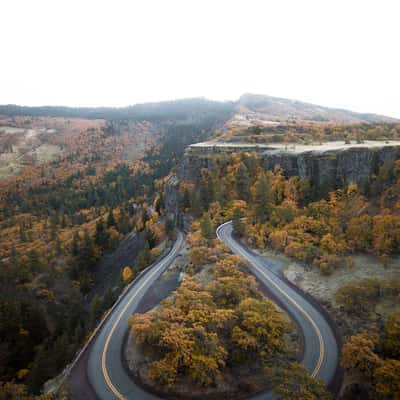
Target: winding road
x,y
321,352
107,374
105,370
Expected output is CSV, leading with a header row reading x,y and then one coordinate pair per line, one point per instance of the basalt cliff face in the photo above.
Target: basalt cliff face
x,y
328,166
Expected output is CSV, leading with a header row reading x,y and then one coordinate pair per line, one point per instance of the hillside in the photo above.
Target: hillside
x,y
74,182
249,106
277,108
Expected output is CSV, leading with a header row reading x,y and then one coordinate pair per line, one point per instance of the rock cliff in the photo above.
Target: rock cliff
x,y
328,166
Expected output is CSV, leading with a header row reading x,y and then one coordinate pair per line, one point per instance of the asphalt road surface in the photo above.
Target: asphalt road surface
x,y
105,369
321,353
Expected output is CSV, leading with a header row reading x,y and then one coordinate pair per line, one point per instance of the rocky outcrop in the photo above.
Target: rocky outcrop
x,y
327,166
171,197
334,169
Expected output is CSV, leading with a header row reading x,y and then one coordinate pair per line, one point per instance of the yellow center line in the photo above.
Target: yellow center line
x,y
298,306
107,343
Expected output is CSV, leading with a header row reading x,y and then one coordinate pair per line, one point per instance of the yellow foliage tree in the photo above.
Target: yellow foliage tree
x,y
127,274
358,354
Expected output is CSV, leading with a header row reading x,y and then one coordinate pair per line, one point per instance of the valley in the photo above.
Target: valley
x,y
90,198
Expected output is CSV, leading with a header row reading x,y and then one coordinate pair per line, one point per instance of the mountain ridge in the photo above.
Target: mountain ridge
x,y
264,106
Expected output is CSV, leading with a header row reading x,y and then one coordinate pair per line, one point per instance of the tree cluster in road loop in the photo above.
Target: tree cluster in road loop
x,y
217,321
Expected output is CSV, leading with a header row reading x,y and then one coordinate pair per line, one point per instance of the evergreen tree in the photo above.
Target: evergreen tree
x,y
169,226
144,257
41,370
186,200
242,182
196,205
151,238
108,299
206,192
160,205
238,226
96,309
102,237
263,198
206,226
124,225
75,244
58,245
145,217
111,219
22,235
34,261
88,256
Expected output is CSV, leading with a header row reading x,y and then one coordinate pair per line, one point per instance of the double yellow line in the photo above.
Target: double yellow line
x,y
240,251
106,375
320,360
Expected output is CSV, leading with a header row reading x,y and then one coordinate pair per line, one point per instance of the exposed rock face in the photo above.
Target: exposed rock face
x,y
334,169
327,166
171,197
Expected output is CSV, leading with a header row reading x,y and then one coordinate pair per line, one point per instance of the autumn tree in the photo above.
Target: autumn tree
x,y
392,336
198,331
260,329
295,383
358,354
387,380
127,274
14,391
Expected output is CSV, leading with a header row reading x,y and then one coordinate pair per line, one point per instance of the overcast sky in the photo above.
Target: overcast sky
x,y
115,53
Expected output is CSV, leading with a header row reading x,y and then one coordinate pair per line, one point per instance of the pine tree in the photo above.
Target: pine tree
x,y
22,235
263,198
75,244
108,299
41,370
124,225
186,200
87,253
102,237
196,205
238,226
206,226
206,192
34,261
111,219
144,257
242,182
96,309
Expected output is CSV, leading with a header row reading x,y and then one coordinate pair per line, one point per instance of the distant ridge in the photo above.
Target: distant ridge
x,y
274,108
281,108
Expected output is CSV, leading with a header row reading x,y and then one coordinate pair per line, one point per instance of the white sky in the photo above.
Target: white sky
x,y
341,53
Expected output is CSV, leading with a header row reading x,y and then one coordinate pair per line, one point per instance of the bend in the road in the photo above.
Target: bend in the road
x,y
321,349
107,373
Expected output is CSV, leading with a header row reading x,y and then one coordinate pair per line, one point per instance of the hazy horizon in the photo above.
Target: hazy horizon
x,y
100,54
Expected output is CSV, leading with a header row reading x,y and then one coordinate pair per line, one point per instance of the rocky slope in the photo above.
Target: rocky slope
x,y
327,166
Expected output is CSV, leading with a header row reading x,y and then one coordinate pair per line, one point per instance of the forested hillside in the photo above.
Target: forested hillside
x,y
59,218
75,182
323,233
